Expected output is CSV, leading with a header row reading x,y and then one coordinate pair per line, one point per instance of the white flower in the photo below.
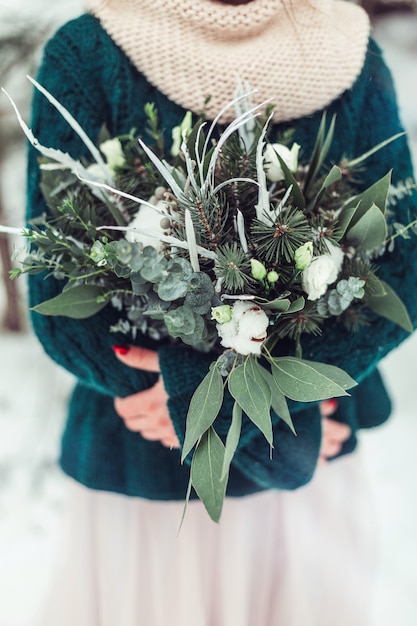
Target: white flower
x,y
322,272
246,331
112,150
148,220
98,172
273,167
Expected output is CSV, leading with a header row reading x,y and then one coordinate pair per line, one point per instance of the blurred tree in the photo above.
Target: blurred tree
x,y
20,40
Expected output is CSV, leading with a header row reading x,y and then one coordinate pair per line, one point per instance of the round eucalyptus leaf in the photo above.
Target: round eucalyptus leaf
x,y
200,293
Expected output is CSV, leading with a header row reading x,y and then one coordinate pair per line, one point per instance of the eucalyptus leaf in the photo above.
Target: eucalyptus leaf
x,y
391,307
339,376
297,305
278,400
280,305
345,218
232,439
369,232
375,194
252,393
332,177
200,291
174,284
206,473
304,381
77,302
374,286
204,408
182,321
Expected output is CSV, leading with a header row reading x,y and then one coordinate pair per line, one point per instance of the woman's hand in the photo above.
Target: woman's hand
x,y
334,434
146,412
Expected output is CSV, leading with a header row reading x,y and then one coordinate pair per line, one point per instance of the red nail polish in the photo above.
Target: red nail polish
x,y
121,350
332,404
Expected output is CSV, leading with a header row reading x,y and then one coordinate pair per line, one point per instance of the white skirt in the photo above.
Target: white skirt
x,y
303,558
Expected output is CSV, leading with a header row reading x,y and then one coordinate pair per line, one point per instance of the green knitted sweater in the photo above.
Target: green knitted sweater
x,y
91,76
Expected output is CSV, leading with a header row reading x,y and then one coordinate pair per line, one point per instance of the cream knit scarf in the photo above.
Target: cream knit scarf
x,y
299,54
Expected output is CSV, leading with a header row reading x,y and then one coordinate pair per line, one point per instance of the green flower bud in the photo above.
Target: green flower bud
x,y
97,252
303,256
272,276
258,269
177,133
222,313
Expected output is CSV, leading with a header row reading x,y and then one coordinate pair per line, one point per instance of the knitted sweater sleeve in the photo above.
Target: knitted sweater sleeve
x,y
81,346
378,119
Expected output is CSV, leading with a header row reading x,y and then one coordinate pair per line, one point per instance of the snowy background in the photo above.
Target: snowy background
x,y
33,394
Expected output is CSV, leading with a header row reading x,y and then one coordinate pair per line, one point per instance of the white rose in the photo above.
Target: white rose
x,y
273,169
246,331
322,272
337,254
147,220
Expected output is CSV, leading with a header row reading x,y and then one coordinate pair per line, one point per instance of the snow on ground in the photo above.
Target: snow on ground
x,y
33,395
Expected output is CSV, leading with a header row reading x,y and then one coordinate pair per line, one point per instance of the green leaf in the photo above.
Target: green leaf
x,y
306,381
280,305
291,181
206,473
252,393
204,408
370,231
332,177
200,291
339,376
375,194
278,400
344,219
77,302
297,305
232,438
374,286
320,151
391,307
363,157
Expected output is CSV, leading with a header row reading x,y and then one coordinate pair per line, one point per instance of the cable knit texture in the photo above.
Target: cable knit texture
x,y
98,83
193,50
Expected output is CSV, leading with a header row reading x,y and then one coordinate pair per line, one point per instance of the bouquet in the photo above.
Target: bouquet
x,y
230,244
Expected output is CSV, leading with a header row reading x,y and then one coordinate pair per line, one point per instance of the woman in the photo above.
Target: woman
x,y
277,557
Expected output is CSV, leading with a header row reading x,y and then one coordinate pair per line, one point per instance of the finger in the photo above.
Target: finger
x,y
137,357
171,442
328,407
330,449
336,431
142,403
144,422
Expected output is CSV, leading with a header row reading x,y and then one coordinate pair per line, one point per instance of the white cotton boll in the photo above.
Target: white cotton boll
x,y
227,333
147,219
246,331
